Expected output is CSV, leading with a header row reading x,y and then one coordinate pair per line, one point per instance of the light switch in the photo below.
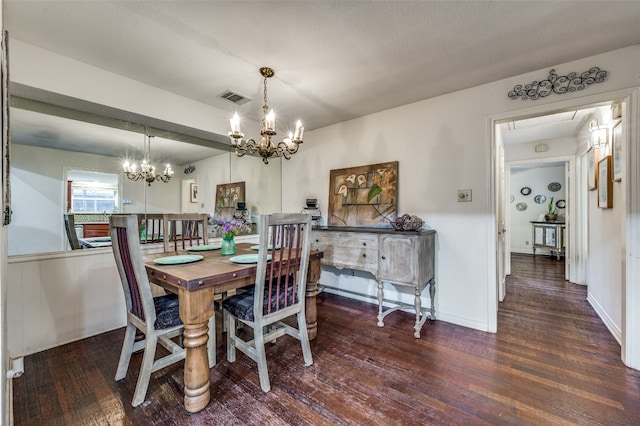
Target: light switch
x,y
464,195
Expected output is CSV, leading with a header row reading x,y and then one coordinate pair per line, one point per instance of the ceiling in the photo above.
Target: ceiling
x,y
333,60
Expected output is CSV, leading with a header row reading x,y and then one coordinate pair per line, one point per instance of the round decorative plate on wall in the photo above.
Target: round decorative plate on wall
x,y
525,190
561,204
521,206
539,199
554,187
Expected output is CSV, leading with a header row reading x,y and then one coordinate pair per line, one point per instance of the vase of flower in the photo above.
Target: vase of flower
x,y
230,229
228,246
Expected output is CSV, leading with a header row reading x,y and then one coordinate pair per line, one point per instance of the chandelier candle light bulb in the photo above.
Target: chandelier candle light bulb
x,y
235,125
265,148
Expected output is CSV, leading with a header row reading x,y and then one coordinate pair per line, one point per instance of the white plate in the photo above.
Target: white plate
x,y
178,260
540,199
246,258
205,247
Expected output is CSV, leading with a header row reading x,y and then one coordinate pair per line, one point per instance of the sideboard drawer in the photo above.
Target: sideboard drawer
x,y
344,239
345,257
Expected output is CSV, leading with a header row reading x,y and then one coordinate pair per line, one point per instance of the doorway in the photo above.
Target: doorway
x,y
580,217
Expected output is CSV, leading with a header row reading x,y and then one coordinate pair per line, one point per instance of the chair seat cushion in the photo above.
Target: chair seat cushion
x,y
167,312
241,305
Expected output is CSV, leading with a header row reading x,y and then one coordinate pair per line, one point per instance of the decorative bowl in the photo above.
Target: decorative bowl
x,y
407,223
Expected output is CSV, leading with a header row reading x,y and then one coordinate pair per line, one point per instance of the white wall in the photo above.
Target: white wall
x,y
448,147
606,270
442,144
538,180
262,183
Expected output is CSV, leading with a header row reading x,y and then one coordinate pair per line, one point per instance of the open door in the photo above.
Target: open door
x,y
501,201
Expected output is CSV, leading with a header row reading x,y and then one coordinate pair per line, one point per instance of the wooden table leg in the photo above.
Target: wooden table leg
x,y
311,313
196,307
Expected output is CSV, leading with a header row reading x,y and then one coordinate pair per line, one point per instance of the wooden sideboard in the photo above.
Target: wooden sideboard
x,y
405,258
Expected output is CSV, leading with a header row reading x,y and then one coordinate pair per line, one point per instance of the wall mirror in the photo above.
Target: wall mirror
x,y
53,144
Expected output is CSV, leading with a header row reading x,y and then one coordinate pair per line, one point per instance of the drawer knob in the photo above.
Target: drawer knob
x,y
364,244
383,257
364,255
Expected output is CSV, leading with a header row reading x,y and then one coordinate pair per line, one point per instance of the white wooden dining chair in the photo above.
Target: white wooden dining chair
x,y
157,318
279,292
182,231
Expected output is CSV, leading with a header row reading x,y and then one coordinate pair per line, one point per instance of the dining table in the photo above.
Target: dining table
x,y
196,283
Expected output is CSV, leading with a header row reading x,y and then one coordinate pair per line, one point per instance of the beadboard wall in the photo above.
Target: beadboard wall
x,y
58,298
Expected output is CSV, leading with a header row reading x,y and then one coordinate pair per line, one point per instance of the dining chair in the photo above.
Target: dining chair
x,y
278,293
184,230
70,228
156,318
154,227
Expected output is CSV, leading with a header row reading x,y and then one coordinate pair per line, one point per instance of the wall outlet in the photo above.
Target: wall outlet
x,y
464,195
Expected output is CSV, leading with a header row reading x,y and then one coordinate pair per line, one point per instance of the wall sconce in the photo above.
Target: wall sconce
x,y
599,134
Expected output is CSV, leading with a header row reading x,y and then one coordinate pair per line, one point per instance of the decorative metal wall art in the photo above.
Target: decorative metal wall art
x,y
559,84
189,169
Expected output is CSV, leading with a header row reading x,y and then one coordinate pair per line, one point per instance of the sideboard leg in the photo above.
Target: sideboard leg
x,y
380,298
418,305
432,294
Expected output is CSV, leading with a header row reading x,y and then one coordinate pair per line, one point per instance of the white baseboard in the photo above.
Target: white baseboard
x,y
606,319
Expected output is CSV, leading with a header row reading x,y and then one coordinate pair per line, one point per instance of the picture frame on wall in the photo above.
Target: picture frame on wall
x,y
363,195
616,152
593,156
193,193
228,195
605,183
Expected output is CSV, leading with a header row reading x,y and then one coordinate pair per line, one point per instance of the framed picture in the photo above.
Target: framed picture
x,y
605,184
193,192
228,195
363,195
593,156
616,152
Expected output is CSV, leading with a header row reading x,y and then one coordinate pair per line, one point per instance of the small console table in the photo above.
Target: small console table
x,y
549,236
405,258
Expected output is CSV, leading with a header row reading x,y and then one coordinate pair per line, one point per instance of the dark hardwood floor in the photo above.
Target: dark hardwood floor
x,y
552,362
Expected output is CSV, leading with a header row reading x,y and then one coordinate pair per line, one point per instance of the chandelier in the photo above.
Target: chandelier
x,y
266,148
146,170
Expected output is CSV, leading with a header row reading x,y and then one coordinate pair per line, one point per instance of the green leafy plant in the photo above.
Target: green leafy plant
x,y
550,207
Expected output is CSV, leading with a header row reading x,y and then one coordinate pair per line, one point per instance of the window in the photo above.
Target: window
x,y
92,192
